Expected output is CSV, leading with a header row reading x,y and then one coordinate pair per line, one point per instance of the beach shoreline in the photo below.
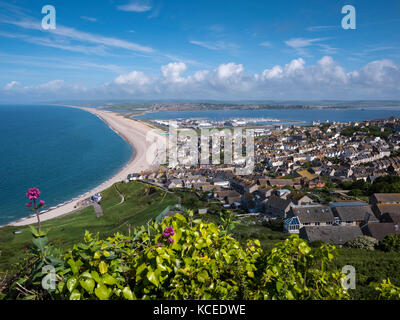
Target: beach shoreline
x,y
133,132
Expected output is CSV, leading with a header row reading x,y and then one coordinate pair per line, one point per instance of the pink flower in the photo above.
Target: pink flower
x,y
159,244
29,204
41,203
33,193
171,240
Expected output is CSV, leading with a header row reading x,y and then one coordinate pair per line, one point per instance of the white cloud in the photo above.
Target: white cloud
x,y
72,34
11,85
300,45
275,72
265,44
216,45
135,6
326,79
230,70
301,42
89,18
172,71
133,78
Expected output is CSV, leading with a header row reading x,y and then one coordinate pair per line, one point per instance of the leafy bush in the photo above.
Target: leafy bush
x,y
387,290
182,258
362,242
391,242
316,244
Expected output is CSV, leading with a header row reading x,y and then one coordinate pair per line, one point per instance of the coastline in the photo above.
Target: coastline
x,y
134,133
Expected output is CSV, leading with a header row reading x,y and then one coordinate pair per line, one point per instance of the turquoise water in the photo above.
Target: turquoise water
x,y
62,151
306,115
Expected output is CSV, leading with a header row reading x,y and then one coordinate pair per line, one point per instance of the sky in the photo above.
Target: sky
x,y
169,49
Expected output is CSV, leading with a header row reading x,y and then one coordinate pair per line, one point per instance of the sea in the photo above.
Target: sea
x,y
304,116
64,152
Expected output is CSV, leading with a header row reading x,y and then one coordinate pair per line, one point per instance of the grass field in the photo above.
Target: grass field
x,y
141,204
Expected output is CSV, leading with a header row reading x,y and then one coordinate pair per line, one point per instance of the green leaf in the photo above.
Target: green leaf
x,y
75,295
75,265
202,276
60,286
151,276
107,279
289,295
279,286
87,284
128,294
96,277
71,283
140,269
103,267
102,292
40,243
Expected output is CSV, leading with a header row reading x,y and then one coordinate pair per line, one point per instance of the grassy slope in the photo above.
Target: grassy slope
x,y
137,209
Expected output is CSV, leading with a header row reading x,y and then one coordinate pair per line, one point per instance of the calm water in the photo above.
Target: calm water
x,y
307,115
62,151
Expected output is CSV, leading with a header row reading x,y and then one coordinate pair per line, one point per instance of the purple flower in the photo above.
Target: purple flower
x,y
159,244
171,240
168,232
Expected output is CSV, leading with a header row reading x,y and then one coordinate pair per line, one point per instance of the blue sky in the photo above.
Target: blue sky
x,y
122,49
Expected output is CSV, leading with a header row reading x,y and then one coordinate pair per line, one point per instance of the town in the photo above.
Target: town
x,y
320,181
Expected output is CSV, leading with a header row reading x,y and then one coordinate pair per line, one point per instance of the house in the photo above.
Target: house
x,y
314,183
353,213
277,207
280,183
300,199
283,193
384,198
133,176
242,186
209,187
309,215
383,209
175,183
330,234
228,196
380,230
221,182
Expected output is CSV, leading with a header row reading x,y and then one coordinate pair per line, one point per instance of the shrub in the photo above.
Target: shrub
x,y
387,290
391,242
362,242
182,258
316,244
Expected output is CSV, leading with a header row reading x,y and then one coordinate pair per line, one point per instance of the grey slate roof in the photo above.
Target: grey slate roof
x,y
309,214
355,213
380,230
278,203
330,234
387,197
